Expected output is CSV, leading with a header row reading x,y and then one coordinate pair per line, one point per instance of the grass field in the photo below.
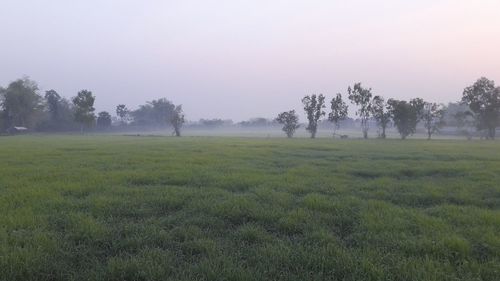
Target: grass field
x,y
162,208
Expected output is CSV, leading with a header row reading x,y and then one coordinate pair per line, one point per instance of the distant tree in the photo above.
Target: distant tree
x,y
177,120
212,123
313,106
53,103
381,113
483,98
406,115
339,112
103,120
464,122
432,117
84,108
290,122
20,102
362,97
154,113
122,112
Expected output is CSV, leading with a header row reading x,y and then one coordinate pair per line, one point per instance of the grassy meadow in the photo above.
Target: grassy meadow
x,y
208,208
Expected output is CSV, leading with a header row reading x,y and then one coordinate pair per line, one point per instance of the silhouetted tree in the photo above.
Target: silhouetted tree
x,y
154,113
84,108
122,112
484,100
464,121
103,120
53,100
177,120
362,97
406,115
313,106
339,112
20,102
381,113
290,122
432,117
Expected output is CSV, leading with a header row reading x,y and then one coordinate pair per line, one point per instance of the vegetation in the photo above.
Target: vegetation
x,y
406,115
432,117
339,112
313,106
150,208
21,105
362,97
483,99
84,109
177,120
290,122
381,112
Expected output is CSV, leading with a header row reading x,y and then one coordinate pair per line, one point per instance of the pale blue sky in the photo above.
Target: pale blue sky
x,y
240,59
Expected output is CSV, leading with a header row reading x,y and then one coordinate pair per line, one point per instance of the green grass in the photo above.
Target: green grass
x,y
160,208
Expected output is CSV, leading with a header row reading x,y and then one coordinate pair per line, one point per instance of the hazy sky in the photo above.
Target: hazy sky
x,y
240,59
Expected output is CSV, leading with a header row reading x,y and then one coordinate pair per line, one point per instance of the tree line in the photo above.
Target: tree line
x,y
21,105
480,108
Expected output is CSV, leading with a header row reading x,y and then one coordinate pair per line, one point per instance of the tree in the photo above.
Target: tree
x,y
84,108
362,97
290,122
122,112
177,120
20,102
381,113
464,121
433,117
406,115
154,113
339,112
313,106
103,119
484,100
53,100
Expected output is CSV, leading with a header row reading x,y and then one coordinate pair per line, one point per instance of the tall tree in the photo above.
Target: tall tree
x,y
432,117
177,120
339,112
381,113
122,112
313,106
290,122
84,108
406,115
53,103
20,102
103,120
154,113
483,98
362,97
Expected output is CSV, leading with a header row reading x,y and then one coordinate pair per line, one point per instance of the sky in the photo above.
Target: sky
x,y
240,59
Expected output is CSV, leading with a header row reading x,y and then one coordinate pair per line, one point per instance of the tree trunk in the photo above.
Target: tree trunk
x,y
365,134
429,134
491,133
383,132
313,134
